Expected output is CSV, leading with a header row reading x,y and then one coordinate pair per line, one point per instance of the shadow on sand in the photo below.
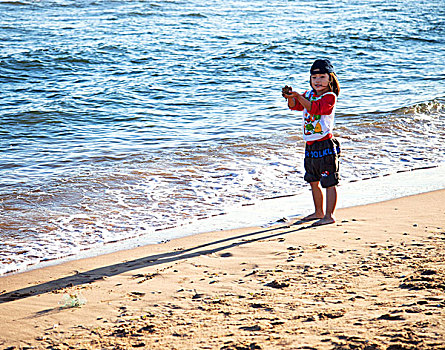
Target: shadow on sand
x,y
153,260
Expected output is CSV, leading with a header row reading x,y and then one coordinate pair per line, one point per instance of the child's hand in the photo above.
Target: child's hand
x,y
286,92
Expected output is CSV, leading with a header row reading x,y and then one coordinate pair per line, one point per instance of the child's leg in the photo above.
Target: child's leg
x,y
317,196
331,203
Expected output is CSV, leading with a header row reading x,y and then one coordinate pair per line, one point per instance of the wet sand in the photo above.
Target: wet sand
x,y
373,280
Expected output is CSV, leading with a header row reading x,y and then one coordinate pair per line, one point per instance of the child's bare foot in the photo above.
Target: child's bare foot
x,y
324,221
313,216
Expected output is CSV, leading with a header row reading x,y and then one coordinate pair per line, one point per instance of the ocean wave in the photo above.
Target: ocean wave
x,y
194,15
430,107
12,2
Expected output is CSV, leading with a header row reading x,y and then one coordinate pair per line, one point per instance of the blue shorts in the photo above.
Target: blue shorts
x,y
321,162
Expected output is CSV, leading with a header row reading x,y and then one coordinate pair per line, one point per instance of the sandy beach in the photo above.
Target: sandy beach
x,y
373,280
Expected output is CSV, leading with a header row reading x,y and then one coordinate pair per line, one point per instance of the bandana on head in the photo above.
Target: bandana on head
x,y
321,67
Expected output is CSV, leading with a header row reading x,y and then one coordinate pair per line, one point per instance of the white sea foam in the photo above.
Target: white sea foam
x,y
261,213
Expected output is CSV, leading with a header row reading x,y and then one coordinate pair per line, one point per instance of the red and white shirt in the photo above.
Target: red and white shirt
x,y
319,123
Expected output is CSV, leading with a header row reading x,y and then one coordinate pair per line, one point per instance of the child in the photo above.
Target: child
x,y
322,150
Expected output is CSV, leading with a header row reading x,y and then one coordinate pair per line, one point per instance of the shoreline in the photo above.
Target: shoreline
x,y
270,211
374,278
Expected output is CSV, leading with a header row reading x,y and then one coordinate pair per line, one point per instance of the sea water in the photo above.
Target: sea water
x,y
125,121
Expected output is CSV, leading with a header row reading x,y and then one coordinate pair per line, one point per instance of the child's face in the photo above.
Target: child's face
x,y
320,83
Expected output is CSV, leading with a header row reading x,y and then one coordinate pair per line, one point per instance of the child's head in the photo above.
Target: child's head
x,y
324,66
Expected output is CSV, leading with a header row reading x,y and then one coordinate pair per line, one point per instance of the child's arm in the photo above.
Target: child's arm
x,y
293,103
289,95
320,107
302,100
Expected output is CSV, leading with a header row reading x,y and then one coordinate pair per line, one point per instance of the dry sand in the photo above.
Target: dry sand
x,y
373,280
